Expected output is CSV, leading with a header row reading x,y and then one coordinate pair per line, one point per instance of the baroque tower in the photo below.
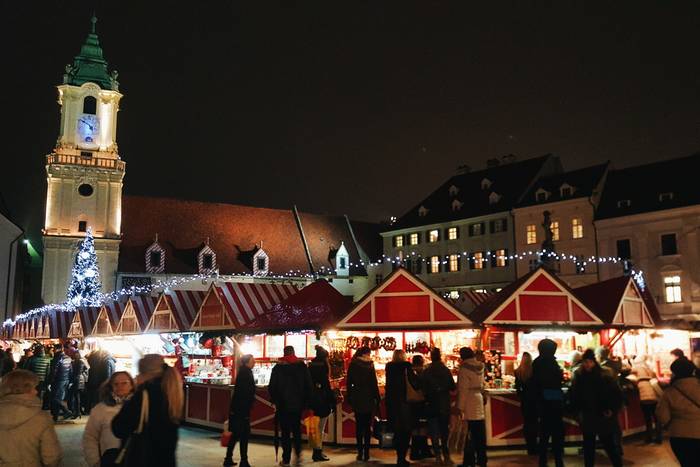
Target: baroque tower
x,y
84,172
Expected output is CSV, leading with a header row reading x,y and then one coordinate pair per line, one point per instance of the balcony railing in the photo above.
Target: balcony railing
x,y
100,162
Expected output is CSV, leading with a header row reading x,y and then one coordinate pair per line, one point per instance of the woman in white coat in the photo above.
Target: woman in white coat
x,y
98,440
470,402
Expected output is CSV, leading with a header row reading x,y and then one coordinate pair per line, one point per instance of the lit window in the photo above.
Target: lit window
x,y
434,264
433,236
531,234
672,285
398,241
454,263
554,226
577,227
413,239
665,196
452,233
478,262
501,258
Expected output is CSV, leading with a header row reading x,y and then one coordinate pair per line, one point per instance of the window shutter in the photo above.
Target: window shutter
x,y
407,265
505,253
393,241
446,233
485,259
492,226
418,265
427,265
471,260
494,258
504,225
459,262
457,229
471,230
483,228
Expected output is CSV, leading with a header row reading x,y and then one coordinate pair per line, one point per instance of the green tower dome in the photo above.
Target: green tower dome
x,y
89,66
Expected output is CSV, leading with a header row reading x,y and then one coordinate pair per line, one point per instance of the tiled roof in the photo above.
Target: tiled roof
x,y
509,181
583,183
643,186
234,232
316,306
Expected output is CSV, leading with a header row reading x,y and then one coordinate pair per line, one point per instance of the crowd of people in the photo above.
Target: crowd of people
x,y
136,422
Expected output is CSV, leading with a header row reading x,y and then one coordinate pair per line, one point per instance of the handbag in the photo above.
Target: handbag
x,y
131,452
413,394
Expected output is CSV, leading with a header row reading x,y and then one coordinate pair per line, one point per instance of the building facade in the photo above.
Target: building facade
x,y
11,238
461,235
571,199
650,214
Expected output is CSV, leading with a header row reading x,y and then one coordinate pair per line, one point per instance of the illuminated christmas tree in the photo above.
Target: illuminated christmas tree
x,y
85,287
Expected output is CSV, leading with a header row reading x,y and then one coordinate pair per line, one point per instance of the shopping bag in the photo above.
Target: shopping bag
x,y
225,437
311,423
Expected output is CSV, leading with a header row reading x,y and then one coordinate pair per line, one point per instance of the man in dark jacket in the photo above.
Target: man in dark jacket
x,y
363,397
547,380
322,400
290,386
437,383
597,398
398,410
239,411
62,373
102,365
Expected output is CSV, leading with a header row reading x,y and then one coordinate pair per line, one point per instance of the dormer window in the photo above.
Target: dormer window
x,y
486,184
566,190
541,195
494,198
454,190
457,205
624,203
206,260
342,261
422,211
261,263
155,258
668,196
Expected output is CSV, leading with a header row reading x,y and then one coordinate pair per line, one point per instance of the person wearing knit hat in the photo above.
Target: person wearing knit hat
x,y
547,378
596,398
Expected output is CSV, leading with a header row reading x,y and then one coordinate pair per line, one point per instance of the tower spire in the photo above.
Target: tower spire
x,y
89,65
93,20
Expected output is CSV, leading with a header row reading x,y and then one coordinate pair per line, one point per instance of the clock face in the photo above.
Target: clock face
x,y
88,128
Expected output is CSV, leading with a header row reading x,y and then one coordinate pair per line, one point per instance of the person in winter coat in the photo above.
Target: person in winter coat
x,y
27,434
679,409
39,364
239,411
398,374
98,439
419,442
597,398
648,398
7,364
24,359
101,365
470,403
363,397
289,388
323,399
76,392
438,383
528,402
163,384
62,375
547,380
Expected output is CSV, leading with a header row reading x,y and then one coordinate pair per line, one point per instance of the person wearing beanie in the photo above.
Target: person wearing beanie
x,y
596,398
679,410
547,380
322,400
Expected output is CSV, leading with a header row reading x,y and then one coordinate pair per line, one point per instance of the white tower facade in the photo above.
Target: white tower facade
x,y
84,172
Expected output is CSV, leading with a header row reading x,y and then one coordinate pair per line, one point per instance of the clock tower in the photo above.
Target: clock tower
x,y
84,172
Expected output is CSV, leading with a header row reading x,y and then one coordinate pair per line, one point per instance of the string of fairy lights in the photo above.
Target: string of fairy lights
x,y
485,258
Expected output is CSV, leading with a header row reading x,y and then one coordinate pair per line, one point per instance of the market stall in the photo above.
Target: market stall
x,y
405,313
226,307
83,321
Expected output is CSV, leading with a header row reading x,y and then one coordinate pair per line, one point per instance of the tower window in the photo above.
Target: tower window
x,y
82,226
90,105
85,189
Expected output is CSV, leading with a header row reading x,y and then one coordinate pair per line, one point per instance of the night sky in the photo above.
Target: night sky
x,y
357,107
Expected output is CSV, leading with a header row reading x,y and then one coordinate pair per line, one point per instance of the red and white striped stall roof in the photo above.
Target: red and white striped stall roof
x,y
477,298
114,310
83,321
143,308
182,305
244,302
59,323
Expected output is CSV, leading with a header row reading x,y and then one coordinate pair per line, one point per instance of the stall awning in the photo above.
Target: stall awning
x,y
59,323
137,314
617,302
175,311
315,307
83,321
108,318
539,298
403,301
231,305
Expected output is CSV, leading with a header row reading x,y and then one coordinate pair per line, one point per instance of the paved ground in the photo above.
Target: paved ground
x,y
201,448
